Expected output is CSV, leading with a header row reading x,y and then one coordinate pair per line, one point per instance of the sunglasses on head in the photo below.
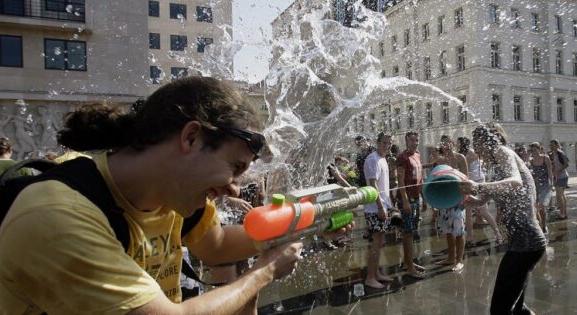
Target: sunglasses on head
x,y
254,140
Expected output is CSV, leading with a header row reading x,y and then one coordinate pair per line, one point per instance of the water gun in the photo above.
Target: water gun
x,y
306,212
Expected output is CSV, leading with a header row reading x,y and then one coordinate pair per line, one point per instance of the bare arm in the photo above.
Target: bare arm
x,y
507,159
339,177
239,295
402,190
379,201
223,245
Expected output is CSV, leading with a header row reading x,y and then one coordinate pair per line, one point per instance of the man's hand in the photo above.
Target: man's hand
x,y
238,204
335,235
281,260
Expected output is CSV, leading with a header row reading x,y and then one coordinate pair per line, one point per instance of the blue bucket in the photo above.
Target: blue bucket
x,y
441,187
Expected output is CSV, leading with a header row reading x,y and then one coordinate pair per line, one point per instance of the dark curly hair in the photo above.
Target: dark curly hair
x,y
210,101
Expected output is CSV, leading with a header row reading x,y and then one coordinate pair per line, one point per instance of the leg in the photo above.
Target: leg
x,y
460,250
373,261
469,221
561,201
511,281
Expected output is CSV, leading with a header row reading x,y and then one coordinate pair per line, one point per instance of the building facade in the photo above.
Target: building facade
x,y
56,55
182,34
514,62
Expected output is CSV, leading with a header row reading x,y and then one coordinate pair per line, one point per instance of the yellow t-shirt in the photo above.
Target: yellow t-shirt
x,y
58,253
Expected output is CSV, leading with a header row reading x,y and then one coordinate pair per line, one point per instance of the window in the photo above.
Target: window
x,y
397,118
155,74
537,108
559,62
394,43
441,25
575,28
407,37
178,11
495,55
154,40
443,63
201,43
460,58
517,108
493,14
558,24
13,7
459,19
409,70
496,102
560,109
462,109
427,67
153,8
395,71
536,60
382,49
515,18
64,55
10,51
445,112
429,110
178,42
535,22
177,73
426,32
411,117
575,64
517,66
575,110
204,14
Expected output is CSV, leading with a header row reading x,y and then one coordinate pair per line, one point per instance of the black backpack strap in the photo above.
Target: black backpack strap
x,y
79,174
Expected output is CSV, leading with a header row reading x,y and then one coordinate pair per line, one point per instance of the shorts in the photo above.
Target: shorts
x,y
375,224
562,182
410,220
452,221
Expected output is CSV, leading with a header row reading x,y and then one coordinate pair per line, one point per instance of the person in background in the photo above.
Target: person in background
x,y
365,149
560,163
542,171
410,173
452,220
376,172
476,174
6,160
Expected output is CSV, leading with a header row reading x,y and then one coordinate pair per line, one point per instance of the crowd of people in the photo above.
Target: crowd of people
x,y
519,184
163,169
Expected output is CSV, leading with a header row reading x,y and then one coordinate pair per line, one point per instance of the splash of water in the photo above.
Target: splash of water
x,y
324,74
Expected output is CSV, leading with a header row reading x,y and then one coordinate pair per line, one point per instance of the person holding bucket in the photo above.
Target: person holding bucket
x,y
513,190
452,220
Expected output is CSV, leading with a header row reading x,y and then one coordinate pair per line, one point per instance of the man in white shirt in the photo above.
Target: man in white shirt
x,y
376,171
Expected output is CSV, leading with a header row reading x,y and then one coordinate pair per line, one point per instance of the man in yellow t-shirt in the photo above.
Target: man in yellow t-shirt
x,y
185,144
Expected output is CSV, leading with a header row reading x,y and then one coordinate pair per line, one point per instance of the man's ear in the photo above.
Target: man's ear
x,y
189,136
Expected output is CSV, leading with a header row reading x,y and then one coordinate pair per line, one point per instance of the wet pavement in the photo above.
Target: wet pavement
x,y
330,281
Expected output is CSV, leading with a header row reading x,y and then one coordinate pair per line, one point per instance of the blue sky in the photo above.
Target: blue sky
x,y
251,24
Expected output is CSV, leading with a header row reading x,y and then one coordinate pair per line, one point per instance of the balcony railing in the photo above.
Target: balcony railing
x,y
63,10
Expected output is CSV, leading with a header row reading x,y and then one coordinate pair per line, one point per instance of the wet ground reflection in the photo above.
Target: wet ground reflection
x,y
332,291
